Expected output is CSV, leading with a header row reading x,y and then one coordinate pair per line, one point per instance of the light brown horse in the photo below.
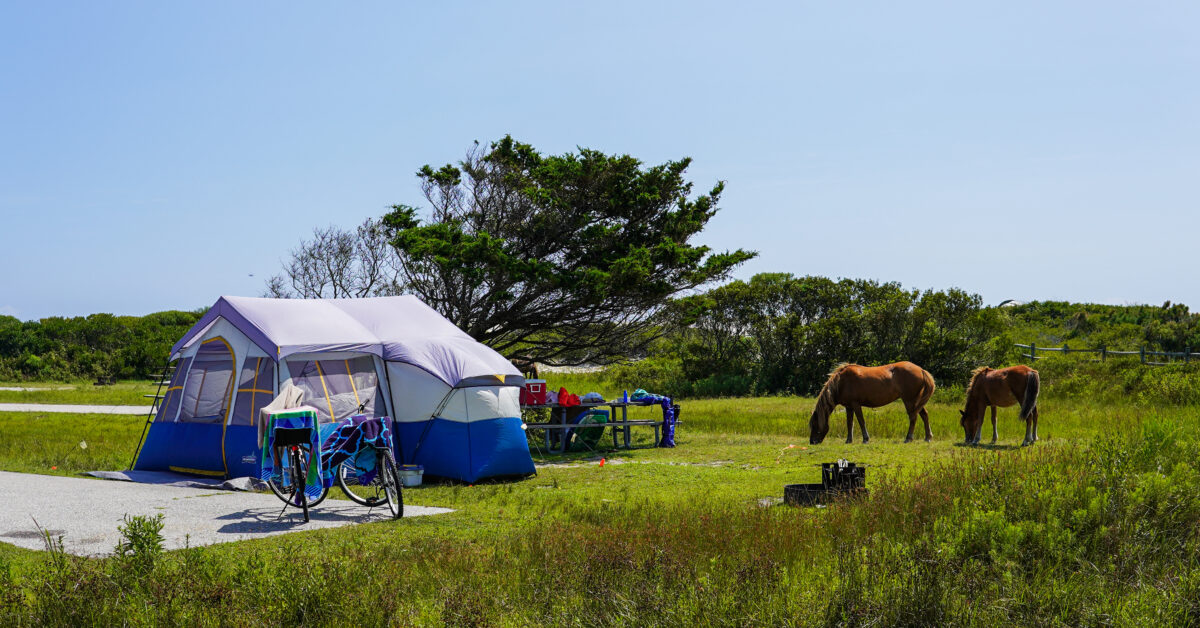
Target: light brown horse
x,y
855,386
1001,388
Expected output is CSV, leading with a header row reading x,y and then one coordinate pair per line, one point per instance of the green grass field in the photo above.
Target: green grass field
x,y
125,393
1097,524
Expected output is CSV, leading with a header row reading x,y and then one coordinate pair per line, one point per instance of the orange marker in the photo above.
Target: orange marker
x,y
602,462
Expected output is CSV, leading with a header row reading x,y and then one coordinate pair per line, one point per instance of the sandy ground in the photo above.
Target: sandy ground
x,y
73,409
86,513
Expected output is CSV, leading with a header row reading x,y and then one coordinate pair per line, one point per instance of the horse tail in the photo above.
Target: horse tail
x,y
1033,384
927,392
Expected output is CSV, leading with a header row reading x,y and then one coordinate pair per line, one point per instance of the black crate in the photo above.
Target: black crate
x,y
804,494
836,481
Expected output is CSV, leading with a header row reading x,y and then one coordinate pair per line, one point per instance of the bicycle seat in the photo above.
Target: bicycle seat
x,y
288,436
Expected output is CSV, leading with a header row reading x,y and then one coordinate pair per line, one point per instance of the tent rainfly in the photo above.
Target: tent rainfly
x,y
454,400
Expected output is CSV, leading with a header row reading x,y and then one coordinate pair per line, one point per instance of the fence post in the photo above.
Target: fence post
x,y
1143,350
1103,352
1187,355
1032,353
1066,349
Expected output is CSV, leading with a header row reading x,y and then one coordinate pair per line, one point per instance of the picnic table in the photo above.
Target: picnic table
x,y
555,431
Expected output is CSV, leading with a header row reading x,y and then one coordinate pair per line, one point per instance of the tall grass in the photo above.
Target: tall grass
x,y
1096,532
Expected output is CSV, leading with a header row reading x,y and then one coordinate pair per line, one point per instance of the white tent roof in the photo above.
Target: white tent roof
x,y
398,329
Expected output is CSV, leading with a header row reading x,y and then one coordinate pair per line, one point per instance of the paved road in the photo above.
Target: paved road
x,y
73,409
86,513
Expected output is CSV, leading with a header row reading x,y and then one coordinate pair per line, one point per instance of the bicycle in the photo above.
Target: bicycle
x,y
385,482
386,486
296,444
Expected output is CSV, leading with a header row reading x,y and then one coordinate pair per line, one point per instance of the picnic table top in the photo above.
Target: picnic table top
x,y
615,403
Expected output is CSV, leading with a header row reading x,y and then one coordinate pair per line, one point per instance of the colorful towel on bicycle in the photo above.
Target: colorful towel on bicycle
x,y
318,477
359,436
643,398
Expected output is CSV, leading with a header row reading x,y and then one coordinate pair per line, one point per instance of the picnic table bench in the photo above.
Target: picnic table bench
x,y
557,443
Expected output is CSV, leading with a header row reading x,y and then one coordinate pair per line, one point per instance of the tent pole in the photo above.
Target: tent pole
x,y
391,409
163,376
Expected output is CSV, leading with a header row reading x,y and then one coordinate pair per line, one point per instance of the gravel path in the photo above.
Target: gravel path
x,y
86,513
73,409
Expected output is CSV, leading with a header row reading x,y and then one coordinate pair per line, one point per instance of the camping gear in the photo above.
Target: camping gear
x,y
587,437
410,474
670,414
455,402
534,393
567,399
592,397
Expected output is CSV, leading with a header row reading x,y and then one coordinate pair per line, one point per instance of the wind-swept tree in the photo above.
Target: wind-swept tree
x,y
562,258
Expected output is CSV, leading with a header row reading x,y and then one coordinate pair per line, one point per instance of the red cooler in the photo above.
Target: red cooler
x,y
534,393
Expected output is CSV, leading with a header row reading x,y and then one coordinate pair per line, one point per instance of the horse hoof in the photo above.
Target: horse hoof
x,y
908,440
866,440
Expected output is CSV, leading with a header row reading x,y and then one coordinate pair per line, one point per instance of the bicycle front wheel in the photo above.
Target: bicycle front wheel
x,y
393,491
347,477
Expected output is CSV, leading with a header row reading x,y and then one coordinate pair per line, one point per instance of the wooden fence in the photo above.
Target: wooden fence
x,y
1146,356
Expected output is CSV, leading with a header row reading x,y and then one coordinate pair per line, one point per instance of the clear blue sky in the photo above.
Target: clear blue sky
x,y
154,155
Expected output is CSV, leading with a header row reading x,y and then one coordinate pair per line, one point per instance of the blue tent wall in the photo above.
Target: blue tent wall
x,y
184,447
467,451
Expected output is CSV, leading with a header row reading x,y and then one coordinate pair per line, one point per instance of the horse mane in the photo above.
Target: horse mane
x,y
983,370
972,394
829,391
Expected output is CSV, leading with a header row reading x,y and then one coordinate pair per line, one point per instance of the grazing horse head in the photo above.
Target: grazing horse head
x,y
971,418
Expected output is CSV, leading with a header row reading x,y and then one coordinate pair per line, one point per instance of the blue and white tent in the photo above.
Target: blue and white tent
x,y
455,401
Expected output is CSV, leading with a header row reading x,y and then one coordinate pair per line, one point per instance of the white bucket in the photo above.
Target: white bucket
x,y
411,474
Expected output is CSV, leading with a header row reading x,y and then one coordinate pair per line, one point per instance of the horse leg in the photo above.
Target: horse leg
x,y
995,434
1028,432
912,423
928,432
1035,421
862,424
849,425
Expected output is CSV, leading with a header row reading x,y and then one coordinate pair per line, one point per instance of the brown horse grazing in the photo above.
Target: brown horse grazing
x,y
1001,388
855,386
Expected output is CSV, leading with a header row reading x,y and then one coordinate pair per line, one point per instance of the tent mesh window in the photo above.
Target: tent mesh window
x,y
209,380
337,387
170,402
256,388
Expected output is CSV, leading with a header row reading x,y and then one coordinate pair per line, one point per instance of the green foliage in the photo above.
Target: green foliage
x,y
781,333
1170,327
141,544
560,257
63,349
1119,380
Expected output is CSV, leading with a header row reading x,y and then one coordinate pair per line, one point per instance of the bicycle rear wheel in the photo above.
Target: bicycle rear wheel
x,y
286,494
299,473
